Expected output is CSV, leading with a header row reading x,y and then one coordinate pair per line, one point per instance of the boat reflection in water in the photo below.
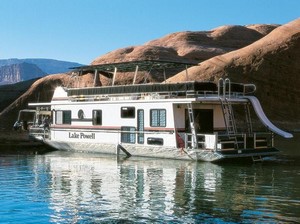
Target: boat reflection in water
x,y
94,188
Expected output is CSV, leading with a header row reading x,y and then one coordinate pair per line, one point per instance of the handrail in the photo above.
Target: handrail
x,y
37,131
249,85
268,138
229,87
223,83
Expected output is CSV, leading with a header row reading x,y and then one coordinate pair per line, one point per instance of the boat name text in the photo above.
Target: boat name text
x,y
81,135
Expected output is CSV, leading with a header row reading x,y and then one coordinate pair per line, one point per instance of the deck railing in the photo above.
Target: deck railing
x,y
38,132
163,95
219,142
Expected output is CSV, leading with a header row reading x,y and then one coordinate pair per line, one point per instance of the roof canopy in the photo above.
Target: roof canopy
x,y
131,66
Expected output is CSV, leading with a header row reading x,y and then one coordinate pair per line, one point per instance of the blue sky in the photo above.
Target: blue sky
x,y
81,30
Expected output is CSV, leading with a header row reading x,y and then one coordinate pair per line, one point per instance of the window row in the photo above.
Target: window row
x,y
158,117
128,135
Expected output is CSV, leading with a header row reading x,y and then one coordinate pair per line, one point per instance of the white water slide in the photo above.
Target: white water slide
x,y
263,118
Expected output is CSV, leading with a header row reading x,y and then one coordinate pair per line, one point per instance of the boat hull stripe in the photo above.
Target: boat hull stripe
x,y
106,128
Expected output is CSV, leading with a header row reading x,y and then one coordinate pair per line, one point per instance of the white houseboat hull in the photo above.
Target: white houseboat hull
x,y
159,152
140,151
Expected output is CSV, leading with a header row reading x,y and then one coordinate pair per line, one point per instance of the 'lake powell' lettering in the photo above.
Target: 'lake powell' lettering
x,y
81,135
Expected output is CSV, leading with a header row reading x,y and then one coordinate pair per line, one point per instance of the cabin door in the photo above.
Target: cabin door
x,y
204,117
204,120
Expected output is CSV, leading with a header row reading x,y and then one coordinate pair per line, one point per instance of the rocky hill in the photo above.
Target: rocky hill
x,y
193,46
9,93
267,55
188,46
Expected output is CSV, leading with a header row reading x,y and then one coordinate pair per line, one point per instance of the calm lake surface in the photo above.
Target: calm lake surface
x,y
62,187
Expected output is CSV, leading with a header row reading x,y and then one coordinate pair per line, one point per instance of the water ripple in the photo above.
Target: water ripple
x,y
72,188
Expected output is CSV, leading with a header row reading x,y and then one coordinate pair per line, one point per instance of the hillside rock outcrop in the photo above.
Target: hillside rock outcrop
x,y
193,46
186,46
9,93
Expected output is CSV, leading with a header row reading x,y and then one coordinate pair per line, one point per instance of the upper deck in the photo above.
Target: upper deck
x,y
185,89
163,90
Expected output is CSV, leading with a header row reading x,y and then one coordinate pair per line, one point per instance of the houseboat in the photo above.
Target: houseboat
x,y
191,120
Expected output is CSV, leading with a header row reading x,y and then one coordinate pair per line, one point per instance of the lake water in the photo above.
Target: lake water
x,y
62,187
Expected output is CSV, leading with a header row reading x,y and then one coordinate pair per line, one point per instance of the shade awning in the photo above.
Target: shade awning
x,y
131,66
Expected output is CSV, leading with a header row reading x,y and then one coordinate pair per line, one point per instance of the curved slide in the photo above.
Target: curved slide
x,y
263,118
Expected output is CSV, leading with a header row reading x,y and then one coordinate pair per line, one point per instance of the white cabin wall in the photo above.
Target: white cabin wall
x,y
111,119
111,112
179,116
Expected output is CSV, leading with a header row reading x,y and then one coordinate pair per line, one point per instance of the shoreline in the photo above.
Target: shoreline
x,y
18,143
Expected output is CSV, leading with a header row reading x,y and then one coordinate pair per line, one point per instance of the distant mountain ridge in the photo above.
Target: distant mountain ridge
x,y
14,73
15,70
50,66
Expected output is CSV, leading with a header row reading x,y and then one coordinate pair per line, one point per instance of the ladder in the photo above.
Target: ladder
x,y
192,125
228,116
248,119
229,120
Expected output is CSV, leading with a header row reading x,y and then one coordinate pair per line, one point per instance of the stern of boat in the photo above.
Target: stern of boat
x,y
215,147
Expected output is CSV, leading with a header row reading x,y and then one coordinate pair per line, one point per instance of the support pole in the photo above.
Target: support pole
x,y
186,73
78,79
114,78
135,74
96,79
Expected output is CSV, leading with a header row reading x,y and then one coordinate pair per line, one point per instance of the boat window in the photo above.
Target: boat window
x,y
63,117
128,134
80,114
158,118
140,126
97,117
155,141
127,112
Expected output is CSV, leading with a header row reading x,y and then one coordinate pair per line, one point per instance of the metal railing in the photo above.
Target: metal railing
x,y
257,140
226,88
201,141
39,133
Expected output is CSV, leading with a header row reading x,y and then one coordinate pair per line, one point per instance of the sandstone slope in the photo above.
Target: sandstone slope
x,y
185,46
194,46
